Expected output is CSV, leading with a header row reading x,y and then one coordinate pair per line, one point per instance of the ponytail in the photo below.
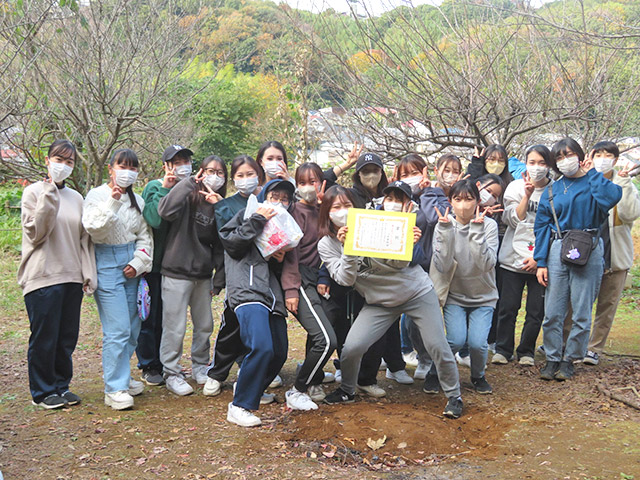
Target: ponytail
x,y
132,199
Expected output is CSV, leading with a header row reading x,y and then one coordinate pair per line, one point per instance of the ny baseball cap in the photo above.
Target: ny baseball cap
x,y
172,150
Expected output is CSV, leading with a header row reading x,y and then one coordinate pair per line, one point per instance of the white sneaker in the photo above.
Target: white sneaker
x,y
372,390
338,376
299,400
421,371
316,393
411,358
135,387
328,377
527,361
401,376
267,398
464,361
211,387
199,373
276,382
178,385
119,400
499,359
242,417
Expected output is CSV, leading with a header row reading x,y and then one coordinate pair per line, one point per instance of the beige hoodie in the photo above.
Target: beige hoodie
x,y
621,218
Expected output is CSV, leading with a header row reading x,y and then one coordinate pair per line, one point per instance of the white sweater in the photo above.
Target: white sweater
x,y
116,222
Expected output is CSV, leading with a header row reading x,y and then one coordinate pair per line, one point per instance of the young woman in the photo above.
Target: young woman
x,y
582,198
58,262
493,159
517,265
465,249
448,171
390,288
369,180
113,217
192,251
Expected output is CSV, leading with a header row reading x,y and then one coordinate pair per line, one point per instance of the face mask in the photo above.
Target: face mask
x,y
183,171
126,178
465,211
486,199
448,179
392,207
370,180
339,217
495,168
272,168
603,164
414,183
59,171
569,166
214,182
308,193
537,172
246,185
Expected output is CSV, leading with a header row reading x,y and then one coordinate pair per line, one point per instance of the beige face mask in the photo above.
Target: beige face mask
x,y
370,180
495,168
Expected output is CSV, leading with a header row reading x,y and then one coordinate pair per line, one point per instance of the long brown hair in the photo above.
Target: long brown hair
x,y
325,225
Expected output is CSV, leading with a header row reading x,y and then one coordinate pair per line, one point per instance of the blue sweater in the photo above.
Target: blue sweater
x,y
584,206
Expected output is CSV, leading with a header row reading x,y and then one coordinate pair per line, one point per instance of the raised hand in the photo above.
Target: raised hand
x,y
587,163
170,178
443,218
529,187
342,234
210,196
355,152
480,215
462,176
199,176
266,212
116,192
425,182
417,233
493,209
320,192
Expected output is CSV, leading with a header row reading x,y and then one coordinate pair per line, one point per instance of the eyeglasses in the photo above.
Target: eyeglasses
x,y
281,197
213,171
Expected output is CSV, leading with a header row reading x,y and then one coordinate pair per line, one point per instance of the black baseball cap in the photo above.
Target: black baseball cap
x,y
398,185
172,150
368,159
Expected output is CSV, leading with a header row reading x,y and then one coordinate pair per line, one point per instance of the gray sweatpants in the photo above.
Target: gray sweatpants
x,y
177,295
373,321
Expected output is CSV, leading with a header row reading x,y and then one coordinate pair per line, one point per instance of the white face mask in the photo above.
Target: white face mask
x,y
59,171
272,168
486,199
308,193
392,206
603,164
537,172
569,166
448,179
414,183
214,182
370,180
126,178
339,217
247,185
183,171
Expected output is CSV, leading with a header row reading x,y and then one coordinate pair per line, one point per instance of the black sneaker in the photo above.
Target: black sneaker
x,y
71,398
51,402
453,408
431,384
482,386
565,372
548,372
152,378
338,396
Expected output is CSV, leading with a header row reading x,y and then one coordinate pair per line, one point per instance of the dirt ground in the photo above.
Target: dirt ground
x,y
527,429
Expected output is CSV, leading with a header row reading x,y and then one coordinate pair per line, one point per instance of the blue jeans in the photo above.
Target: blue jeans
x,y
578,285
116,297
469,325
405,342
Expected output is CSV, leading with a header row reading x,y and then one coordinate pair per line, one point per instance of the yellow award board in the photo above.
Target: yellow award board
x,y
380,234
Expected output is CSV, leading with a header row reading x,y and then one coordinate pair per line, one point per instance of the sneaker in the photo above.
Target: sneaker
x,y
421,371
411,358
549,370
540,349
338,376
431,384
526,361
383,365
199,373
453,408
464,361
338,396
492,347
565,372
153,378
481,386
119,400
328,377
276,382
51,402
371,390
316,393
297,400
212,387
242,417
401,376
267,398
499,359
135,387
71,398
178,385
591,358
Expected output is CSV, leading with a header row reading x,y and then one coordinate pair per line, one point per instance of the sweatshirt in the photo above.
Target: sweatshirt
x,y
307,218
116,222
621,219
388,283
152,194
193,247
471,249
227,208
55,247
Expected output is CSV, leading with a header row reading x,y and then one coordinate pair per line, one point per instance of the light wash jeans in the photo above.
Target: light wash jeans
x,y
469,325
116,298
578,285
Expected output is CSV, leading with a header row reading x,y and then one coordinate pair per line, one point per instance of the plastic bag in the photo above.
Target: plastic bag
x,y
281,232
144,299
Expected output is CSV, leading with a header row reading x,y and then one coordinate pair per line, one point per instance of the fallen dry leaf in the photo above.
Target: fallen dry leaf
x,y
376,444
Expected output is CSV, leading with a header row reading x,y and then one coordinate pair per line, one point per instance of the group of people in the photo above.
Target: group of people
x,y
481,235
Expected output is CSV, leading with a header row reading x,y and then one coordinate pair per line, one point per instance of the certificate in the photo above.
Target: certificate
x,y
380,234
